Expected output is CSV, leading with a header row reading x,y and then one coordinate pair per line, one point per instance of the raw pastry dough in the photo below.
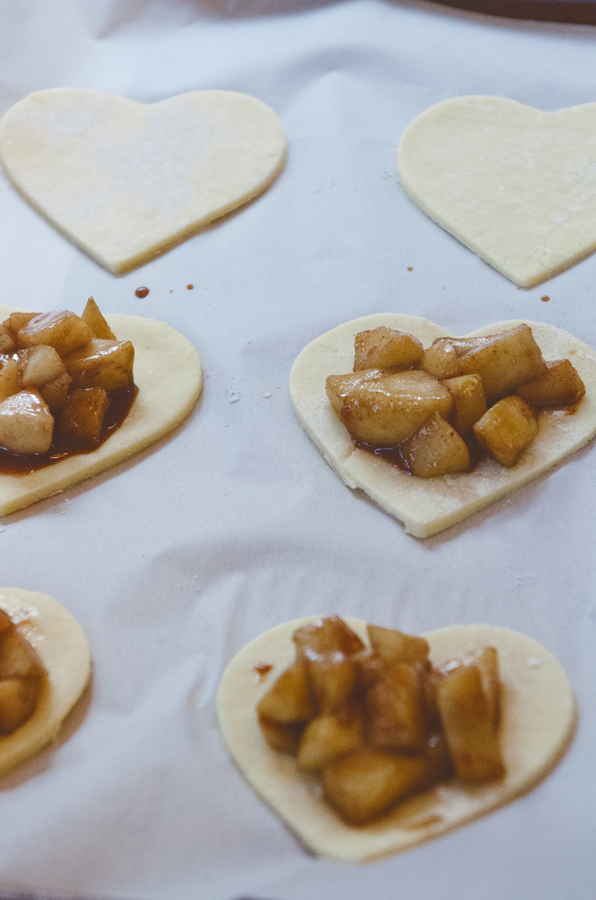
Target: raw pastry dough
x,y
537,723
516,185
429,505
127,181
61,643
168,373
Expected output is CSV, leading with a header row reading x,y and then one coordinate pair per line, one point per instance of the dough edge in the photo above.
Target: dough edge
x,y
61,643
151,248
158,409
538,723
526,276
428,508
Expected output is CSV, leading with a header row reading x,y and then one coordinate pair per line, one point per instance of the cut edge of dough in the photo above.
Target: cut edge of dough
x,y
62,646
156,412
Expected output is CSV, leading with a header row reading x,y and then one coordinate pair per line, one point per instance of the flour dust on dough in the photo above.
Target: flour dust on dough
x,y
126,181
514,184
537,723
167,371
63,649
428,505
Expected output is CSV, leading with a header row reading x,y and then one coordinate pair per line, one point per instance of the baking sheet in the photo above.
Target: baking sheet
x,y
173,561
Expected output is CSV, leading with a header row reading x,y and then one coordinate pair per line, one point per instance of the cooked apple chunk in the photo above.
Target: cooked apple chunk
x,y
383,347
441,360
393,646
328,635
289,698
9,378
435,449
26,424
338,387
38,365
93,317
504,361
468,720
329,736
395,718
560,385
387,411
101,363
63,330
363,785
469,401
282,736
506,430
7,343
332,677
21,678
83,414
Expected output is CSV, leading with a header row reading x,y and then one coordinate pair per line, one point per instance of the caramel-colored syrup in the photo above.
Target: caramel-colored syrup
x,y
120,404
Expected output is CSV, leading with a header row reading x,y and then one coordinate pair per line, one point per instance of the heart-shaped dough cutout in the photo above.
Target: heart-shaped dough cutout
x,y
537,722
126,180
512,183
167,371
428,505
62,646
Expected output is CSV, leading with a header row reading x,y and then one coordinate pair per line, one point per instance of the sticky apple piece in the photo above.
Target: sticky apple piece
x,y
26,424
507,429
364,784
560,385
61,329
383,347
387,411
468,399
83,414
435,449
504,361
102,363
94,318
9,379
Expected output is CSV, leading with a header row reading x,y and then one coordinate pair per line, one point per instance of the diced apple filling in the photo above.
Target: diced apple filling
x,y
56,373
441,407
378,725
21,677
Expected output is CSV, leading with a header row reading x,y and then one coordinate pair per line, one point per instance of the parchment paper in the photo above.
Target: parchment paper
x,y
175,560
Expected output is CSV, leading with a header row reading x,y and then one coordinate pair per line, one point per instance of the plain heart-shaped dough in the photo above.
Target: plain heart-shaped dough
x,y
167,371
127,181
428,505
514,184
61,643
537,722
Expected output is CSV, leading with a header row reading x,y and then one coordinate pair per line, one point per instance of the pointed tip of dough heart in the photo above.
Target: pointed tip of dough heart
x,y
128,181
538,717
510,182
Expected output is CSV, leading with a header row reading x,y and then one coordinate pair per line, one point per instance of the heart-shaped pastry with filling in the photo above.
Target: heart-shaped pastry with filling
x,y
428,505
126,180
512,183
168,374
536,724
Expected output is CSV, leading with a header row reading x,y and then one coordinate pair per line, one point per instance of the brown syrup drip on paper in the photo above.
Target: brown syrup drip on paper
x,y
189,287
141,291
62,447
